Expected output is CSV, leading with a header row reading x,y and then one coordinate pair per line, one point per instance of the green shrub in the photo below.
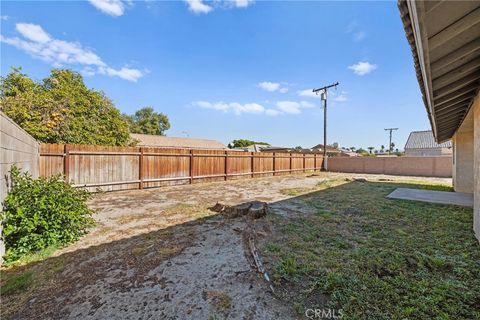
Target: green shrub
x,y
39,213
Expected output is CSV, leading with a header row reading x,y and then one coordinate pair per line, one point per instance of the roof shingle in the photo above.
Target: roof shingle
x,y
425,140
149,140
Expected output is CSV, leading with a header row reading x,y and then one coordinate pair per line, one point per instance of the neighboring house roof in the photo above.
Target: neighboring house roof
x,y
345,153
329,148
444,38
425,140
261,147
150,140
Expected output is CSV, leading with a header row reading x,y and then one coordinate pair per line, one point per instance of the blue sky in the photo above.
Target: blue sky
x,y
227,70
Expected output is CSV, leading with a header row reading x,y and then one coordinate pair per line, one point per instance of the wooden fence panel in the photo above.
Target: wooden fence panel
x,y
282,163
297,162
239,165
263,164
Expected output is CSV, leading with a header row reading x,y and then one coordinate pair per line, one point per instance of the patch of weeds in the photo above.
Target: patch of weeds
x,y
138,251
298,308
17,283
272,247
221,299
291,227
287,268
33,257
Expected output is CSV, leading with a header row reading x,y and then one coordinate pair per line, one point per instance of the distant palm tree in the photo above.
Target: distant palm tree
x,y
353,149
382,148
392,146
370,149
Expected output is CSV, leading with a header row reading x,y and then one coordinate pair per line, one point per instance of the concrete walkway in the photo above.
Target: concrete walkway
x,y
443,197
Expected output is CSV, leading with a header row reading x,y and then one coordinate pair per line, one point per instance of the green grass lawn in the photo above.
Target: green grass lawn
x,y
376,258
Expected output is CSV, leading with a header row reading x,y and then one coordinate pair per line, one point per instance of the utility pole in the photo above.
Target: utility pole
x,y
390,144
323,92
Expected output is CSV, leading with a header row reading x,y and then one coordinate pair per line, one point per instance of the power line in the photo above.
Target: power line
x,y
323,92
390,145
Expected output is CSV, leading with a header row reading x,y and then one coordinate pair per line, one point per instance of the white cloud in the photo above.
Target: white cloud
x,y
124,73
362,68
272,87
308,93
269,86
293,107
235,107
197,6
33,32
39,44
114,8
201,6
242,3
272,112
280,107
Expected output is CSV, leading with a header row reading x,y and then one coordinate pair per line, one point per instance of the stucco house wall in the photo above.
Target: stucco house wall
x,y
463,156
476,165
466,157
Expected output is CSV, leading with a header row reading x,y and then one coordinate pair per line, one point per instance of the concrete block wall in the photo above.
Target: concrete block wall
x,y
19,148
406,166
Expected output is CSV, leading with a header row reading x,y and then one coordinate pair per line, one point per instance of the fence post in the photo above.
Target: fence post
x,y
314,162
191,166
274,163
226,161
252,163
290,163
66,162
140,168
304,166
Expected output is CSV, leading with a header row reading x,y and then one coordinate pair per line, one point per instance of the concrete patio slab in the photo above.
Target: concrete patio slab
x,y
443,197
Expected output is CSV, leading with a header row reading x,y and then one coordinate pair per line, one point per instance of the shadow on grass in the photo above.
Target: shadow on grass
x,y
375,258
345,246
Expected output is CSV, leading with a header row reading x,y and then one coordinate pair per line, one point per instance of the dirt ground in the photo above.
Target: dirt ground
x,y
161,254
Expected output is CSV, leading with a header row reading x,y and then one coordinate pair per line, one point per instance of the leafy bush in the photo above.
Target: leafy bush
x,y
42,212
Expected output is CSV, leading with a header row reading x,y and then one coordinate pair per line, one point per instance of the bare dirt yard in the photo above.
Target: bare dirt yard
x,y
163,254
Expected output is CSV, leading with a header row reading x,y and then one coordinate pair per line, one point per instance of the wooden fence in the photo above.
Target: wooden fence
x,y
120,168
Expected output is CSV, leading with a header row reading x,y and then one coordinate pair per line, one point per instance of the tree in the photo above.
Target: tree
x,y
370,149
392,146
382,148
353,149
147,121
241,143
362,151
335,145
61,109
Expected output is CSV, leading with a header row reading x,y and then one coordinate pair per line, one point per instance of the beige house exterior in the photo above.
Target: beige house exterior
x,y
445,41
